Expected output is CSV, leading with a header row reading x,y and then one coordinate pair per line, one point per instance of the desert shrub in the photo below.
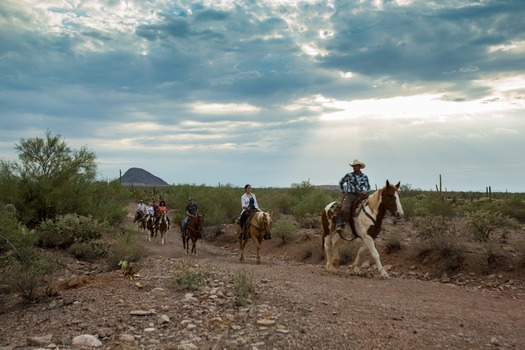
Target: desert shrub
x,y
126,248
88,250
188,276
284,230
430,226
310,220
393,242
68,229
409,207
243,286
494,256
312,203
29,277
310,250
347,253
483,224
443,252
520,252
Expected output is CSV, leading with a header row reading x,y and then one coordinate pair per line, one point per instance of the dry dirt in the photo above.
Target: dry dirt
x,y
295,304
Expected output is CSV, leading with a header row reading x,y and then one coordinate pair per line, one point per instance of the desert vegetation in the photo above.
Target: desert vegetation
x,y
52,200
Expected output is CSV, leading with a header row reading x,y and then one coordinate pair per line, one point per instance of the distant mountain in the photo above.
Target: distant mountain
x,y
140,177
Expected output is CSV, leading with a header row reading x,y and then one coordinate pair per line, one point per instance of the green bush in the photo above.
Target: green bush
x,y
284,230
393,242
243,286
429,226
188,276
69,229
484,224
443,252
88,250
126,248
29,277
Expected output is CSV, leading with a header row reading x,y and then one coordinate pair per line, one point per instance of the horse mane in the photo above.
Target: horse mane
x,y
373,200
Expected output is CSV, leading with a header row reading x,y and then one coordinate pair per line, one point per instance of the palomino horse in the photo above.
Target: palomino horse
x,y
193,232
368,216
162,227
259,225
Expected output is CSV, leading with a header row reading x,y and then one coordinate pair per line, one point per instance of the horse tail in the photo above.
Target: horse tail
x,y
326,228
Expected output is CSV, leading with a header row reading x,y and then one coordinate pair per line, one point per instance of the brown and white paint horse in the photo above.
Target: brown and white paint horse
x,y
259,225
368,218
162,227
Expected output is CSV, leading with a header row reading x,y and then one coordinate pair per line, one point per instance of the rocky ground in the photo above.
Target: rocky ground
x,y
295,304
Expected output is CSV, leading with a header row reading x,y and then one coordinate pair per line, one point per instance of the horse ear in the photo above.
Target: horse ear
x,y
387,183
398,185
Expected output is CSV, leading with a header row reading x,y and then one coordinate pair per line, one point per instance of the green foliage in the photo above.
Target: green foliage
x,y
88,250
188,276
312,202
29,276
126,248
483,224
243,286
429,226
68,229
284,230
393,242
310,220
443,252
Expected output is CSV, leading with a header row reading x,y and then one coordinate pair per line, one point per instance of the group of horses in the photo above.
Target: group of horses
x,y
193,230
366,222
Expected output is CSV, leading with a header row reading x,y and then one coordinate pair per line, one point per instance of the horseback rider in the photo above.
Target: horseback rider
x,y
143,208
160,210
357,186
191,211
249,206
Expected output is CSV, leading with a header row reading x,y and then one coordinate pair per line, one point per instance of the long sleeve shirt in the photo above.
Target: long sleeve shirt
x,y
354,183
245,202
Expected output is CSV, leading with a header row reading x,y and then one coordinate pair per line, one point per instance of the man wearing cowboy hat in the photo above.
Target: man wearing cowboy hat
x,y
357,186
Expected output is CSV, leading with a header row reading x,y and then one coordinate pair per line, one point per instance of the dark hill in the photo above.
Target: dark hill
x,y
140,177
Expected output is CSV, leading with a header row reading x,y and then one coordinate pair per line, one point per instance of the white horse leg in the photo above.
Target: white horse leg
x,y
329,252
369,242
355,265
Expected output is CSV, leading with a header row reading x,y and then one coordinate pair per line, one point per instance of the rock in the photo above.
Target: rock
x,y
86,340
37,341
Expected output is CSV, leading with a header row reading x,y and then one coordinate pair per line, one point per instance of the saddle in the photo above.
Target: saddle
x,y
354,209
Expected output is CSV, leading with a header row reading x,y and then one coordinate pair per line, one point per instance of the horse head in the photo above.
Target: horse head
x,y
391,199
267,222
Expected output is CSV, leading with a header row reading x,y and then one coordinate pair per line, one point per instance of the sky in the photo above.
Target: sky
x,y
273,92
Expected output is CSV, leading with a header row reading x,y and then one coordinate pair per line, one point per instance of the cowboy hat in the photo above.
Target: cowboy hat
x,y
357,162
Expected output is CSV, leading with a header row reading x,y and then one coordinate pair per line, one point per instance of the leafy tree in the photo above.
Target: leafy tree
x,y
49,179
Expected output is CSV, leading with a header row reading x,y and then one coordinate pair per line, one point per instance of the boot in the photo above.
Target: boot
x,y
340,228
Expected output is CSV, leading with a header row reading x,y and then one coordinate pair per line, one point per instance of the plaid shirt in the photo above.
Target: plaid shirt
x,y
354,184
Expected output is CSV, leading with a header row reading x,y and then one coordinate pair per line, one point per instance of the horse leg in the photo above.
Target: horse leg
x,y
369,243
242,244
329,249
194,246
354,267
257,240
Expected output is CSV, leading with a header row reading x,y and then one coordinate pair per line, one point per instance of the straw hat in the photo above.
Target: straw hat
x,y
357,162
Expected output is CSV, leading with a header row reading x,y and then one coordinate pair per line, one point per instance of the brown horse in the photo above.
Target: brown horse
x,y
162,227
138,217
367,217
260,224
194,232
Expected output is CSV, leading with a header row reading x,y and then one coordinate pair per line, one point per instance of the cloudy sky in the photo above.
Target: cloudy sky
x,y
273,92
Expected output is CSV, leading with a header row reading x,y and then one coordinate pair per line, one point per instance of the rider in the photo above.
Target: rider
x,y
191,211
162,209
249,206
143,208
357,186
